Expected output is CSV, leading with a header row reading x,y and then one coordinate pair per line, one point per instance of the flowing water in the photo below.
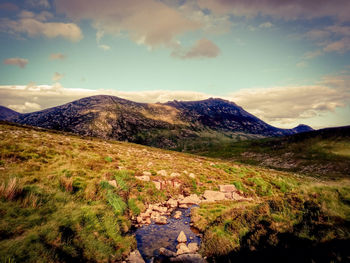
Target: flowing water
x,y
152,237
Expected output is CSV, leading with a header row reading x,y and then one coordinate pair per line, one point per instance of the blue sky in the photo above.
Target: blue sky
x,y
288,62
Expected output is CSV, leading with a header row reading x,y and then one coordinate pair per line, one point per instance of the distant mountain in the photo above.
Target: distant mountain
x,y
7,114
173,124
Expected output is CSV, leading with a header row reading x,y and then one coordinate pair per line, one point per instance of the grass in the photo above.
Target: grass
x,y
66,198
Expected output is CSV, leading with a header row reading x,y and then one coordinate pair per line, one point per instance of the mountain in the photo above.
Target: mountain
x,y
174,125
324,152
7,114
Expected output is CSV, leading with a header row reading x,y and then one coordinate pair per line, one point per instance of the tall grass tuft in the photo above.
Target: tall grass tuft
x,y
11,190
31,200
66,183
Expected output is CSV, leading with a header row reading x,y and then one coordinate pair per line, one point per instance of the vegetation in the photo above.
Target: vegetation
x,y
323,153
65,198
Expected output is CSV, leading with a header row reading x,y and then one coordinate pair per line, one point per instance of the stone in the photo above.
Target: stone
x,y
174,174
135,257
166,252
147,173
183,206
145,178
227,188
193,199
177,184
161,220
162,173
158,208
193,247
113,183
177,214
182,237
193,258
212,196
182,249
172,203
157,184
192,175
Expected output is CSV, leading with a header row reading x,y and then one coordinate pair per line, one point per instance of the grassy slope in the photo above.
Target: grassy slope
x,y
56,204
324,153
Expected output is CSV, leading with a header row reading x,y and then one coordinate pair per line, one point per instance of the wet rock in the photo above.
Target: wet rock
x,y
182,237
135,257
177,214
166,252
188,258
161,220
145,178
162,173
227,188
183,206
212,196
158,208
182,249
193,247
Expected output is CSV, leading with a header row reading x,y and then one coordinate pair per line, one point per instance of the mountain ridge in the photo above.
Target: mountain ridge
x,y
164,125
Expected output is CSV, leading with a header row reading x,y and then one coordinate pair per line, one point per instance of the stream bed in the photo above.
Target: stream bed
x,y
152,237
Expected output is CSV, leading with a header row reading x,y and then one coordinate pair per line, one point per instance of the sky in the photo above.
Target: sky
x,y
287,62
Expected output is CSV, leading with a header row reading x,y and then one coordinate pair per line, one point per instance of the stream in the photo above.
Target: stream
x,y
152,237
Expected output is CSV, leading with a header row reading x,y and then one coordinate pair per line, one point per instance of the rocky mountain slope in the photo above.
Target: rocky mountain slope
x,y
172,125
68,198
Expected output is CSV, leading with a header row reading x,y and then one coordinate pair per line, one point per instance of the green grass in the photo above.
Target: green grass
x,y
58,202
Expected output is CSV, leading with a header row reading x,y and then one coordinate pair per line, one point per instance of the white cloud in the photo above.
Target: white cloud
x,y
32,25
38,3
203,48
281,105
19,62
57,56
104,47
266,25
25,107
147,22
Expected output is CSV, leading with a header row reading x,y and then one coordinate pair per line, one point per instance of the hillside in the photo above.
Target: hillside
x,y
173,125
65,198
324,152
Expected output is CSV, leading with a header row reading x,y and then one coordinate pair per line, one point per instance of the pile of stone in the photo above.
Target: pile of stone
x,y
184,252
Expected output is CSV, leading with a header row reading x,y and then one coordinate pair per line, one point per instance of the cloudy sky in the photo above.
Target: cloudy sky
x,y
287,62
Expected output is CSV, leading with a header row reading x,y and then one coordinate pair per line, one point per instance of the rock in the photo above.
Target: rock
x,y
135,257
158,208
182,249
145,178
193,247
192,175
177,214
193,199
182,237
177,184
166,252
188,258
174,174
113,183
161,220
183,206
147,173
212,196
172,203
227,188
162,173
157,184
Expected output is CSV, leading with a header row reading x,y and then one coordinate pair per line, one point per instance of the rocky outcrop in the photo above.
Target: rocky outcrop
x,y
212,196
